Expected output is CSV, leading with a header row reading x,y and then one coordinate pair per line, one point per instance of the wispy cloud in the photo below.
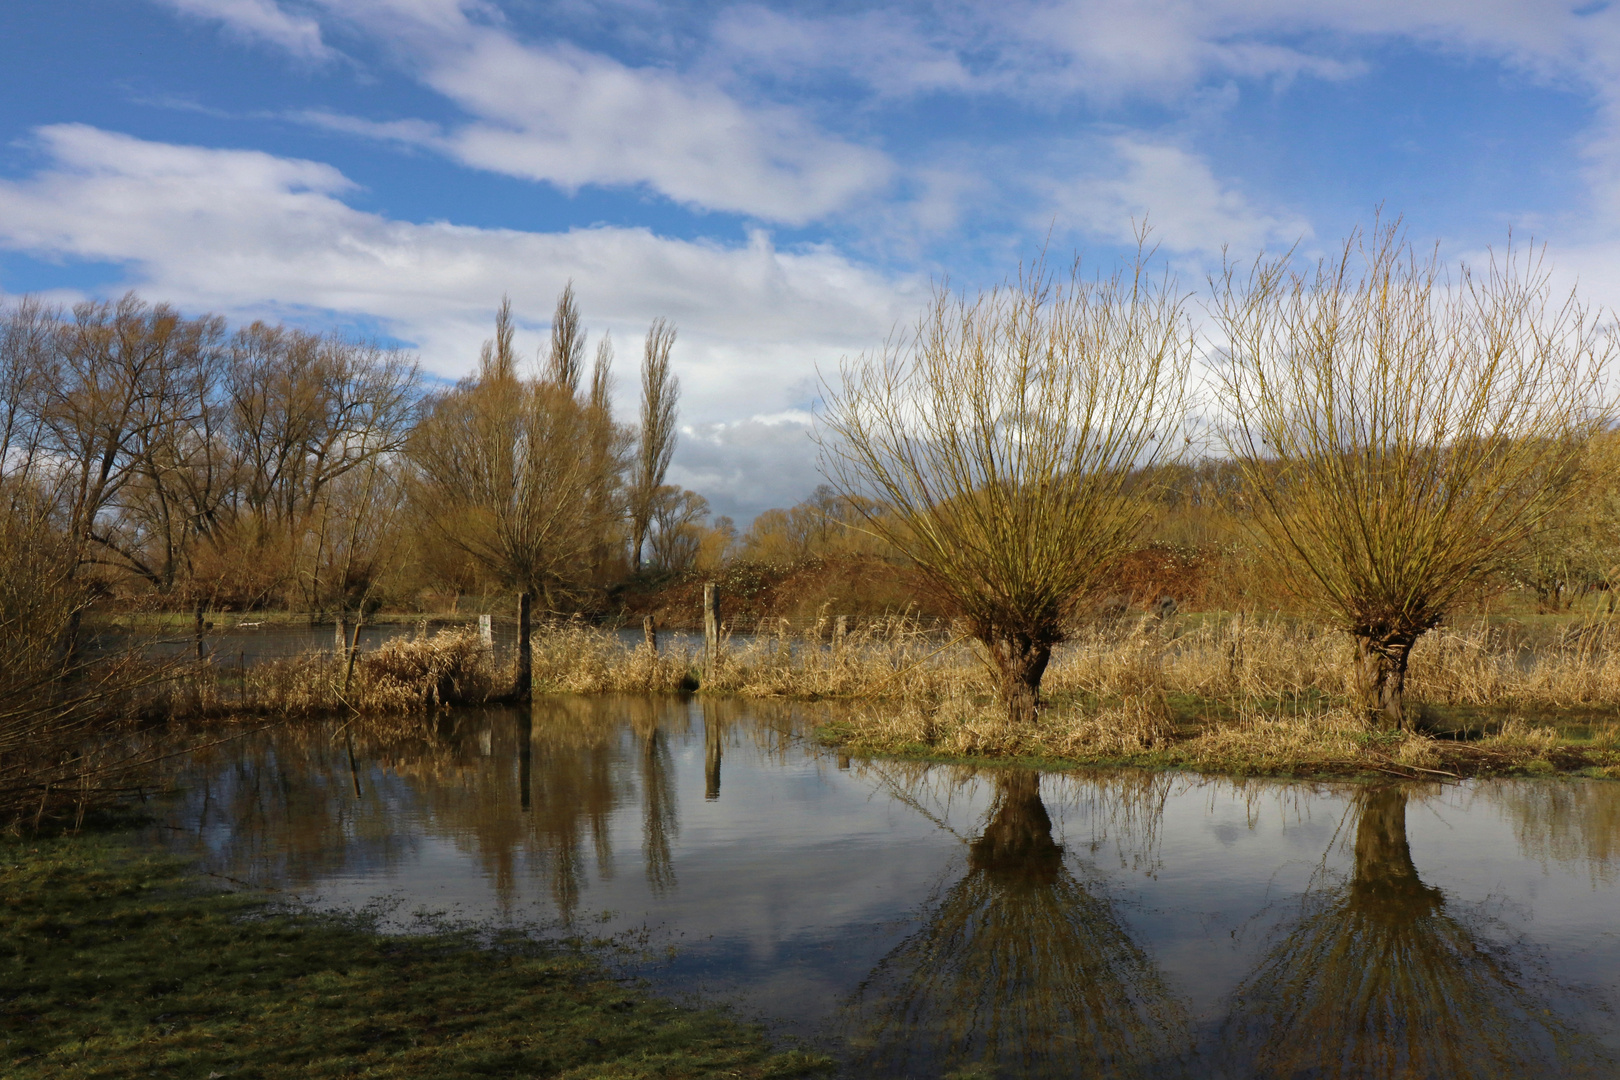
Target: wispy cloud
x,y
261,20
1174,190
553,112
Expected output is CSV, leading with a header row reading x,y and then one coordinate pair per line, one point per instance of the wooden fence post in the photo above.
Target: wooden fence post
x,y
486,631
339,643
199,631
711,629
354,650
840,628
525,659
649,633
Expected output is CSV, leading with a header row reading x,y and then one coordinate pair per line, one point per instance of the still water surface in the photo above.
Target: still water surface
x,y
932,920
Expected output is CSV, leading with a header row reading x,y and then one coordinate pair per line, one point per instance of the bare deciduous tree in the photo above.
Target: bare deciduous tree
x,y
497,359
1402,430
677,532
660,391
1000,441
504,473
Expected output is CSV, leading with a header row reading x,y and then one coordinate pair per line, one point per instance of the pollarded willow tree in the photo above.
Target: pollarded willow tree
x,y
1004,442
1402,428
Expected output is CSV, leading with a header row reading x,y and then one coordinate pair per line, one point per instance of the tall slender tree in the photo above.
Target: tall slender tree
x,y
504,473
565,365
498,360
660,391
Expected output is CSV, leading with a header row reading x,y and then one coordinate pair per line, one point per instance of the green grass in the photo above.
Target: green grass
x,y
115,963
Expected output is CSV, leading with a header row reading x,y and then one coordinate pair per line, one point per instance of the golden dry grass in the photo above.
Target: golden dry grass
x,y
450,667
1242,661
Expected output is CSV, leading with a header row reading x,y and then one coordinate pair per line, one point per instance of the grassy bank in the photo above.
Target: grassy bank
x,y
1317,742
117,964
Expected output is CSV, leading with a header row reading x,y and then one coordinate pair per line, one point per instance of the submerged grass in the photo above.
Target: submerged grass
x,y
115,963
1227,694
404,675
1223,659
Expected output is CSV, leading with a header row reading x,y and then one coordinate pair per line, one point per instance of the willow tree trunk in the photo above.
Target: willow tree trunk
x,y
524,688
1381,678
1020,664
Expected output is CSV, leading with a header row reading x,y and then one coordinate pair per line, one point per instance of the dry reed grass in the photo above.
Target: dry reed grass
x,y
405,675
1243,662
577,659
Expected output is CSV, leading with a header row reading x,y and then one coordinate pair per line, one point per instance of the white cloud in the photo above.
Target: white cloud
x,y
1161,49
261,20
559,114
250,234
1189,208
572,118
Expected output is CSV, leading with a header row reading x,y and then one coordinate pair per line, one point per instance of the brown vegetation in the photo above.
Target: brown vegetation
x,y
1009,518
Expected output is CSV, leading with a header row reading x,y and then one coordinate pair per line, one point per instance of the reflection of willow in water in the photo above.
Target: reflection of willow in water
x,y
1378,979
518,792
1562,820
1018,969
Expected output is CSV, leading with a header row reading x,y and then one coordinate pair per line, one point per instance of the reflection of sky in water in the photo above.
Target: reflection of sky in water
x,y
788,889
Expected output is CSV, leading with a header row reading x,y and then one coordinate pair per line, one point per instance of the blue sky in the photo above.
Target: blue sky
x,y
784,181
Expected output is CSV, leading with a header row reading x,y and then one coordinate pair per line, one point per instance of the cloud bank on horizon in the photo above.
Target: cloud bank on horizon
x,y
783,181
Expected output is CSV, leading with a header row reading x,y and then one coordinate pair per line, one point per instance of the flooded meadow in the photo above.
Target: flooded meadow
x,y
926,920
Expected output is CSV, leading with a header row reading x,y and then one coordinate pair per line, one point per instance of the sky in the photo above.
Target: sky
x,y
786,182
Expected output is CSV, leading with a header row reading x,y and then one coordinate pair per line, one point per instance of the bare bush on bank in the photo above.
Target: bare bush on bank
x,y
62,714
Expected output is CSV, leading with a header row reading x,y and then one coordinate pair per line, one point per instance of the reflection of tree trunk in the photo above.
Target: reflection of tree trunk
x,y
1020,665
525,741
659,820
1018,971
714,737
1386,883
1381,677
1018,839
1377,979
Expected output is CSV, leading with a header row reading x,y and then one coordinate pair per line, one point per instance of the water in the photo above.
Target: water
x,y
249,642
923,920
